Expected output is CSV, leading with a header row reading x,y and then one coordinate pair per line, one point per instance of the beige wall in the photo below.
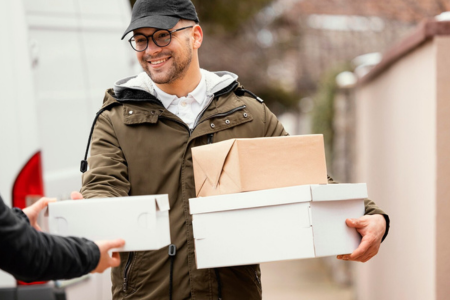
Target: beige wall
x,y
396,146
443,169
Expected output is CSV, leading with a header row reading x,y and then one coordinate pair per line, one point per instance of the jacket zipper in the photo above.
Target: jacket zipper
x,y
210,138
226,113
257,278
127,269
211,98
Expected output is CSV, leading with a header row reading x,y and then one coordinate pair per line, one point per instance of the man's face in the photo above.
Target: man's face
x,y
166,64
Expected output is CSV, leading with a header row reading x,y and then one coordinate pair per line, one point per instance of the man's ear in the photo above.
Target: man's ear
x,y
197,36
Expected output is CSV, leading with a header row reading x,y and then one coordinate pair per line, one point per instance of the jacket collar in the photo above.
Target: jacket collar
x,y
215,82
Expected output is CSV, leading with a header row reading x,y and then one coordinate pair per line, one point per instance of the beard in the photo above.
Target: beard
x,y
179,65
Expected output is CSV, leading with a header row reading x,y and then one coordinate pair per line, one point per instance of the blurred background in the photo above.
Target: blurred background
x,y
372,76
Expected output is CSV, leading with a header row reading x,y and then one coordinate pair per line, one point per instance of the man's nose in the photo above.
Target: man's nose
x,y
152,48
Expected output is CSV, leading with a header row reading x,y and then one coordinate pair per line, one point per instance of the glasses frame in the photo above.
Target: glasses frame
x,y
151,36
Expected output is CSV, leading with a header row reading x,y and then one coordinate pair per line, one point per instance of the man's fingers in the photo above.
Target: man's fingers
x,y
355,223
76,195
362,248
371,252
364,252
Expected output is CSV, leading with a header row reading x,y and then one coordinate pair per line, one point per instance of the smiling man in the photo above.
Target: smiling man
x,y
141,145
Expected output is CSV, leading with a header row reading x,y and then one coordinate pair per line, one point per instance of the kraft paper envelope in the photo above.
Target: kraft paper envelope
x,y
241,165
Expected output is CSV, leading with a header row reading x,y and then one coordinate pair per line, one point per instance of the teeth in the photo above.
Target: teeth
x,y
158,62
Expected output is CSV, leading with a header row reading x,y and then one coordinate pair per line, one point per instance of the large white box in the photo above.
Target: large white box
x,y
277,224
142,221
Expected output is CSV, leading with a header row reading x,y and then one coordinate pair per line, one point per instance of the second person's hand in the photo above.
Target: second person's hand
x,y
33,211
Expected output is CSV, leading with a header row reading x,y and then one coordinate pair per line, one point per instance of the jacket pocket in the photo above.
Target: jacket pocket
x,y
134,116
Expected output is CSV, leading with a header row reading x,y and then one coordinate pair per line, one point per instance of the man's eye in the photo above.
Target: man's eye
x,y
163,35
140,41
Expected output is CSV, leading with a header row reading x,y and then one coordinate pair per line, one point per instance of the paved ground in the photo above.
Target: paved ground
x,y
306,279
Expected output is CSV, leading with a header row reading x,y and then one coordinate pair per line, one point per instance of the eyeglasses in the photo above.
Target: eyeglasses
x,y
161,38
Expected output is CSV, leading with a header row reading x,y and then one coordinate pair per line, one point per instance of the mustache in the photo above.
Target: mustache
x,y
160,55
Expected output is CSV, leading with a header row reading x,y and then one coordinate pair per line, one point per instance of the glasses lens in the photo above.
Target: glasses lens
x,y
162,38
139,42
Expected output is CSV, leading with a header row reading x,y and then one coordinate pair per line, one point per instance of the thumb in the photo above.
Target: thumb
x,y
354,223
76,195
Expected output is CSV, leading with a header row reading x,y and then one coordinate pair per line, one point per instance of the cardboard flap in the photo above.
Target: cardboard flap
x,y
213,158
263,198
335,192
162,203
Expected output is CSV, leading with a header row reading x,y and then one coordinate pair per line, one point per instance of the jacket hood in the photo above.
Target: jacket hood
x,y
215,81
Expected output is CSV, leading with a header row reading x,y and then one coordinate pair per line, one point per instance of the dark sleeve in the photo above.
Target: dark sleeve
x,y
30,255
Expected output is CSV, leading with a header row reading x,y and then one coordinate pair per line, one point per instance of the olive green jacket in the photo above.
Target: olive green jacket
x,y
140,148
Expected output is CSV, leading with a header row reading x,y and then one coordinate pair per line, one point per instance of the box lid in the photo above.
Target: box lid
x,y
336,192
162,202
301,193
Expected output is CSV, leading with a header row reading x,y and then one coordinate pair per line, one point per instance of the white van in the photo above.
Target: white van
x,y
57,57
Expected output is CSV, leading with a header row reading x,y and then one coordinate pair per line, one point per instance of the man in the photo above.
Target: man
x,y
30,255
142,142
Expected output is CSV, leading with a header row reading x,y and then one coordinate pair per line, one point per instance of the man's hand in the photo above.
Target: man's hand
x,y
33,211
76,196
371,228
107,261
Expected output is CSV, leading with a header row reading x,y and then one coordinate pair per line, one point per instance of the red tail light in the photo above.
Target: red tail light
x,y
29,184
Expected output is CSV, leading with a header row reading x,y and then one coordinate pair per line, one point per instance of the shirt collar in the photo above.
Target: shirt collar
x,y
198,94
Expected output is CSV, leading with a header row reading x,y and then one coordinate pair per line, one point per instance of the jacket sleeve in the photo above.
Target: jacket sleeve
x,y
30,255
273,127
108,171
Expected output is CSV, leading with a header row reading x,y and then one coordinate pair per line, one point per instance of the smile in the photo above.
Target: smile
x,y
157,62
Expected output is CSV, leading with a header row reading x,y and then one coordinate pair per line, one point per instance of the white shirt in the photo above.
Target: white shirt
x,y
186,108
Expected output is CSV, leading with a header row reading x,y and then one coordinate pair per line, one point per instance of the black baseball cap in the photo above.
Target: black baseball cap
x,y
161,14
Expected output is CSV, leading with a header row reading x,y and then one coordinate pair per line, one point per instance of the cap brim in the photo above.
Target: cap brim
x,y
160,22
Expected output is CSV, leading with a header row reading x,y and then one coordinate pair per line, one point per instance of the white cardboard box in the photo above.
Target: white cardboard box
x,y
142,221
277,224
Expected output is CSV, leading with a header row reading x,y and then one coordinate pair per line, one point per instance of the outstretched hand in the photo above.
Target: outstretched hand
x,y
372,229
107,261
33,211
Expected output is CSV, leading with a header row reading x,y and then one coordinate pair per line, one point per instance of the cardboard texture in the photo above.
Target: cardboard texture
x,y
278,224
241,165
142,221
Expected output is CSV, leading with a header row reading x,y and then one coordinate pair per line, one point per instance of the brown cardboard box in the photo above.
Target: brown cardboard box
x,y
242,165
